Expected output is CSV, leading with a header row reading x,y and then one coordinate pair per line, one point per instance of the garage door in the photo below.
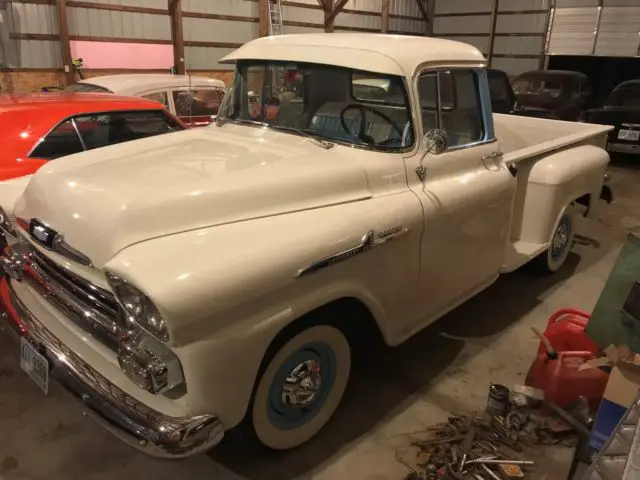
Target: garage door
x,y
595,27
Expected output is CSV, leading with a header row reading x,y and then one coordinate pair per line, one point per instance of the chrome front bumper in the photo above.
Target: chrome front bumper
x,y
135,423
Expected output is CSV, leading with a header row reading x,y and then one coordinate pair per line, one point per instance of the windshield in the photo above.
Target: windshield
x,y
328,102
86,87
624,97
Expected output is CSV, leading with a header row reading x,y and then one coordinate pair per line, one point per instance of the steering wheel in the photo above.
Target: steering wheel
x,y
362,132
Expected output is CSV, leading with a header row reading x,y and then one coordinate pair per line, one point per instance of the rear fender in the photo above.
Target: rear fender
x,y
549,183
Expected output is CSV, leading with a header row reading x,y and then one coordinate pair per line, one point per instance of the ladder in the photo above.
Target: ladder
x,y
275,18
620,458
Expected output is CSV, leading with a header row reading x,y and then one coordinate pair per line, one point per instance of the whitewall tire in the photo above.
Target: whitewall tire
x,y
300,388
552,259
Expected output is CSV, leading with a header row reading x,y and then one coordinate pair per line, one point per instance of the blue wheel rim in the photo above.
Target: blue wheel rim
x,y
285,416
560,242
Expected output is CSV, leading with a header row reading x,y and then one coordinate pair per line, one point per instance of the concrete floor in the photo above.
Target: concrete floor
x,y
445,368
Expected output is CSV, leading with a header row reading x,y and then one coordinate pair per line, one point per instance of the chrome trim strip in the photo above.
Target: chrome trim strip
x,y
368,241
134,422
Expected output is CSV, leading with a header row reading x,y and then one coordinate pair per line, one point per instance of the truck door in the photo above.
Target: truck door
x,y
466,192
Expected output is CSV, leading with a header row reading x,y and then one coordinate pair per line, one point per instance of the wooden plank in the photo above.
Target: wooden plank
x,y
384,24
65,44
117,8
199,43
177,38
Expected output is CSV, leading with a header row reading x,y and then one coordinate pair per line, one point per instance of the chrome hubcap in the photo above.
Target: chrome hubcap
x,y
302,385
561,237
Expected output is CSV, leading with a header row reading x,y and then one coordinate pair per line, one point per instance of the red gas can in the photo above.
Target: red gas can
x,y
560,378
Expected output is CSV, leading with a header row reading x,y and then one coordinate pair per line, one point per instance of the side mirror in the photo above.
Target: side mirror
x,y
436,141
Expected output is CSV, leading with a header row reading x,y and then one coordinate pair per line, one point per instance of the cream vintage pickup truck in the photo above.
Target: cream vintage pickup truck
x,y
217,278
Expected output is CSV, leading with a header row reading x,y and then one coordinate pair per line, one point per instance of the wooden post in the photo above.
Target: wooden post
x,y
328,7
65,44
332,10
177,39
431,13
264,18
492,34
427,8
384,27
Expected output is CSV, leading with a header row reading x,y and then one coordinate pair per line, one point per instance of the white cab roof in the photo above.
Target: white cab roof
x,y
390,54
135,84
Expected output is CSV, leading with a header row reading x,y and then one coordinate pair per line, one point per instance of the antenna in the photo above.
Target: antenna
x,y
191,98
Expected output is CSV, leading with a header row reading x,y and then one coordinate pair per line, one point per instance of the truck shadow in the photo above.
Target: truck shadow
x,y
389,377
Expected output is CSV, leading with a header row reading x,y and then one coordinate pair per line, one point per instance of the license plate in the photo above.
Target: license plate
x,y
34,364
632,135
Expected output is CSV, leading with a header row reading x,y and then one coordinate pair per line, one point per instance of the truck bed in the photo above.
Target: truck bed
x,y
524,137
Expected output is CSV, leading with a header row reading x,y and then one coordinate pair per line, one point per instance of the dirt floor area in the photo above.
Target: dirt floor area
x,y
446,368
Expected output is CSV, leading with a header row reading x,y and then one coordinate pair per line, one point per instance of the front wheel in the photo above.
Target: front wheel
x,y
552,259
300,388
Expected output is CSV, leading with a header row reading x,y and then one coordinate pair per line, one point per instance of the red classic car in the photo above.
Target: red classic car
x,y
36,128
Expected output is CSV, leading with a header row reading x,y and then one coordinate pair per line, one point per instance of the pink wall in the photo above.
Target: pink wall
x,y
122,55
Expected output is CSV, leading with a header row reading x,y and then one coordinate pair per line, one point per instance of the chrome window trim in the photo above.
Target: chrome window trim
x,y
427,68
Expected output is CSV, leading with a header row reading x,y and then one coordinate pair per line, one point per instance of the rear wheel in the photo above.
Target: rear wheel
x,y
552,259
300,388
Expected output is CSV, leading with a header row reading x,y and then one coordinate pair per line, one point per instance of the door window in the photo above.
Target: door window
x,y
197,102
450,100
160,97
62,140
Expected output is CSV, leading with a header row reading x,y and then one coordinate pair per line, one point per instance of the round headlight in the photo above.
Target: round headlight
x,y
138,307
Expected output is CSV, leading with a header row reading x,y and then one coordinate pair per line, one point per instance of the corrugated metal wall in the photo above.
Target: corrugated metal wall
x,y
595,27
520,29
105,23
17,50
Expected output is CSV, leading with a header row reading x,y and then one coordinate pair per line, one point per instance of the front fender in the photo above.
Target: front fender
x,y
226,292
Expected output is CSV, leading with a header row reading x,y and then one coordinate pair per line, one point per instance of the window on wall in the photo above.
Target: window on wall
x,y
458,111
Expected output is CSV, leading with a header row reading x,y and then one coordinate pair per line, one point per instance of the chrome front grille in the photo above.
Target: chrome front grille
x,y
90,307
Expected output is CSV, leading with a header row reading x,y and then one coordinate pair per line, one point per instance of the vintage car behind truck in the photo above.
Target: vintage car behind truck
x,y
218,279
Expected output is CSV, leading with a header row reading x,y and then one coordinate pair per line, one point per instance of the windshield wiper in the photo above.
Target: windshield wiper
x,y
304,132
307,134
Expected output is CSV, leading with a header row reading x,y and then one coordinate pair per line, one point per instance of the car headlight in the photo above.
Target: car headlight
x,y
5,223
138,308
143,355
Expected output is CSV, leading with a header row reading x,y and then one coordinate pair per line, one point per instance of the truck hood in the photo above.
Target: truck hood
x,y
107,199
